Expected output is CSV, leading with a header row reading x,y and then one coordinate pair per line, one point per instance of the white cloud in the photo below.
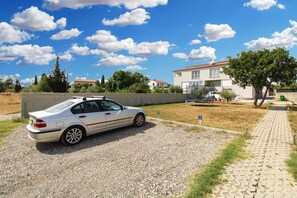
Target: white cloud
x,y
133,68
286,38
79,50
36,20
76,4
117,60
67,56
28,54
99,52
198,54
214,32
27,80
263,4
61,23
17,75
135,17
281,6
195,42
180,55
66,34
150,49
108,42
10,34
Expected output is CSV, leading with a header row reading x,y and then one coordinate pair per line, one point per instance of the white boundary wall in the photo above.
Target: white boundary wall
x,y
39,101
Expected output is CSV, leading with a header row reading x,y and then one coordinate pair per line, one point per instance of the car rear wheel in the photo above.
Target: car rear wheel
x,y
73,135
139,120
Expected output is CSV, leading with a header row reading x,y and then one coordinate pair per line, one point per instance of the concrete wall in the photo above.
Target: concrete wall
x,y
291,96
39,101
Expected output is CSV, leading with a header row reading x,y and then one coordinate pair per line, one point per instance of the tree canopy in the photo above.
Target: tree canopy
x,y
57,80
125,80
261,68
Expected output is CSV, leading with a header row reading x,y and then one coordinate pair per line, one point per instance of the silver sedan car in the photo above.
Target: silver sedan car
x,y
72,120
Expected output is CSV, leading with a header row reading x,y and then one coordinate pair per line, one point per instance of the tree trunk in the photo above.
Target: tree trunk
x,y
265,94
258,92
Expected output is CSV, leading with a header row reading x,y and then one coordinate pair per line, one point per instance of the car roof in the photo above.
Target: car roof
x,y
77,99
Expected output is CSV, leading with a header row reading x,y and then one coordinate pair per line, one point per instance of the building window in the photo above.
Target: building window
x,y
195,74
179,74
195,83
214,73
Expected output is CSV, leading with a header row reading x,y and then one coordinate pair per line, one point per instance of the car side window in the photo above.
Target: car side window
x,y
110,106
86,107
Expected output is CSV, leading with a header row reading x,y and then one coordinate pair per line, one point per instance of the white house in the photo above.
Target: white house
x,y
158,83
209,75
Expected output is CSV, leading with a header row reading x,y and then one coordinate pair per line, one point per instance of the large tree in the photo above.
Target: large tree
x,y
124,80
260,69
57,80
17,86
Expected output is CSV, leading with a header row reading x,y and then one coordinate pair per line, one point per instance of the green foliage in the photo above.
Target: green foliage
x,y
102,80
8,84
139,88
262,68
43,84
159,90
17,86
175,89
35,81
57,80
228,95
123,80
2,86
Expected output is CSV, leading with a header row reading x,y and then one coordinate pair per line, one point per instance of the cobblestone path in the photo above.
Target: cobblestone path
x,y
264,174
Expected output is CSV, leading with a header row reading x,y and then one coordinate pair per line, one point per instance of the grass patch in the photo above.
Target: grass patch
x,y
204,181
224,116
194,129
292,162
6,126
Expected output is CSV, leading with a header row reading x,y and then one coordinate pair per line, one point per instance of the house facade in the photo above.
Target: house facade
x,y
209,75
84,81
158,83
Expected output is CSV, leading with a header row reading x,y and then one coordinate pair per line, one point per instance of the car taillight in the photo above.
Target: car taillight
x,y
39,124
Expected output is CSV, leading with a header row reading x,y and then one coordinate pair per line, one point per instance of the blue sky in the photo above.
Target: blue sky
x,y
153,37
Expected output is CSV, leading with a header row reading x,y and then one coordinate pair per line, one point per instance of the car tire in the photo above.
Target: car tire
x,y
139,120
73,135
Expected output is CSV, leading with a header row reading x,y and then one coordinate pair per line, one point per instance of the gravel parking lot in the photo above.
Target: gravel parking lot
x,y
155,160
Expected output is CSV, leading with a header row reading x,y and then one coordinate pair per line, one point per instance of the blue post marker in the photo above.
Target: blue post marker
x,y
199,119
158,112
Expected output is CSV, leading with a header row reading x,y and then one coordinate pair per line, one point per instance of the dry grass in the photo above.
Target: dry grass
x,y
10,103
225,116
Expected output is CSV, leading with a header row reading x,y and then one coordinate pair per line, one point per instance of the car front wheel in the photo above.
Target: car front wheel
x,y
139,120
73,135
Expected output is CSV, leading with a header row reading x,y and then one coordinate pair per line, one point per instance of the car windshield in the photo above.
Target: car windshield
x,y
59,107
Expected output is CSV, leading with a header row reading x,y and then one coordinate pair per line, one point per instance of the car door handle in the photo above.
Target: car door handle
x,y
82,116
107,113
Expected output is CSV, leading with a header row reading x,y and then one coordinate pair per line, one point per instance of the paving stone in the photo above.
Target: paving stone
x,y
264,173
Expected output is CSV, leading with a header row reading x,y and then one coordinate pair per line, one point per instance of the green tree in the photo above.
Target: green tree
x,y
35,81
43,85
102,80
57,80
8,84
261,68
175,89
228,95
123,80
17,86
2,85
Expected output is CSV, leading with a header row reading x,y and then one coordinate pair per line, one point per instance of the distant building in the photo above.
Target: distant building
x,y
84,81
209,75
158,83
